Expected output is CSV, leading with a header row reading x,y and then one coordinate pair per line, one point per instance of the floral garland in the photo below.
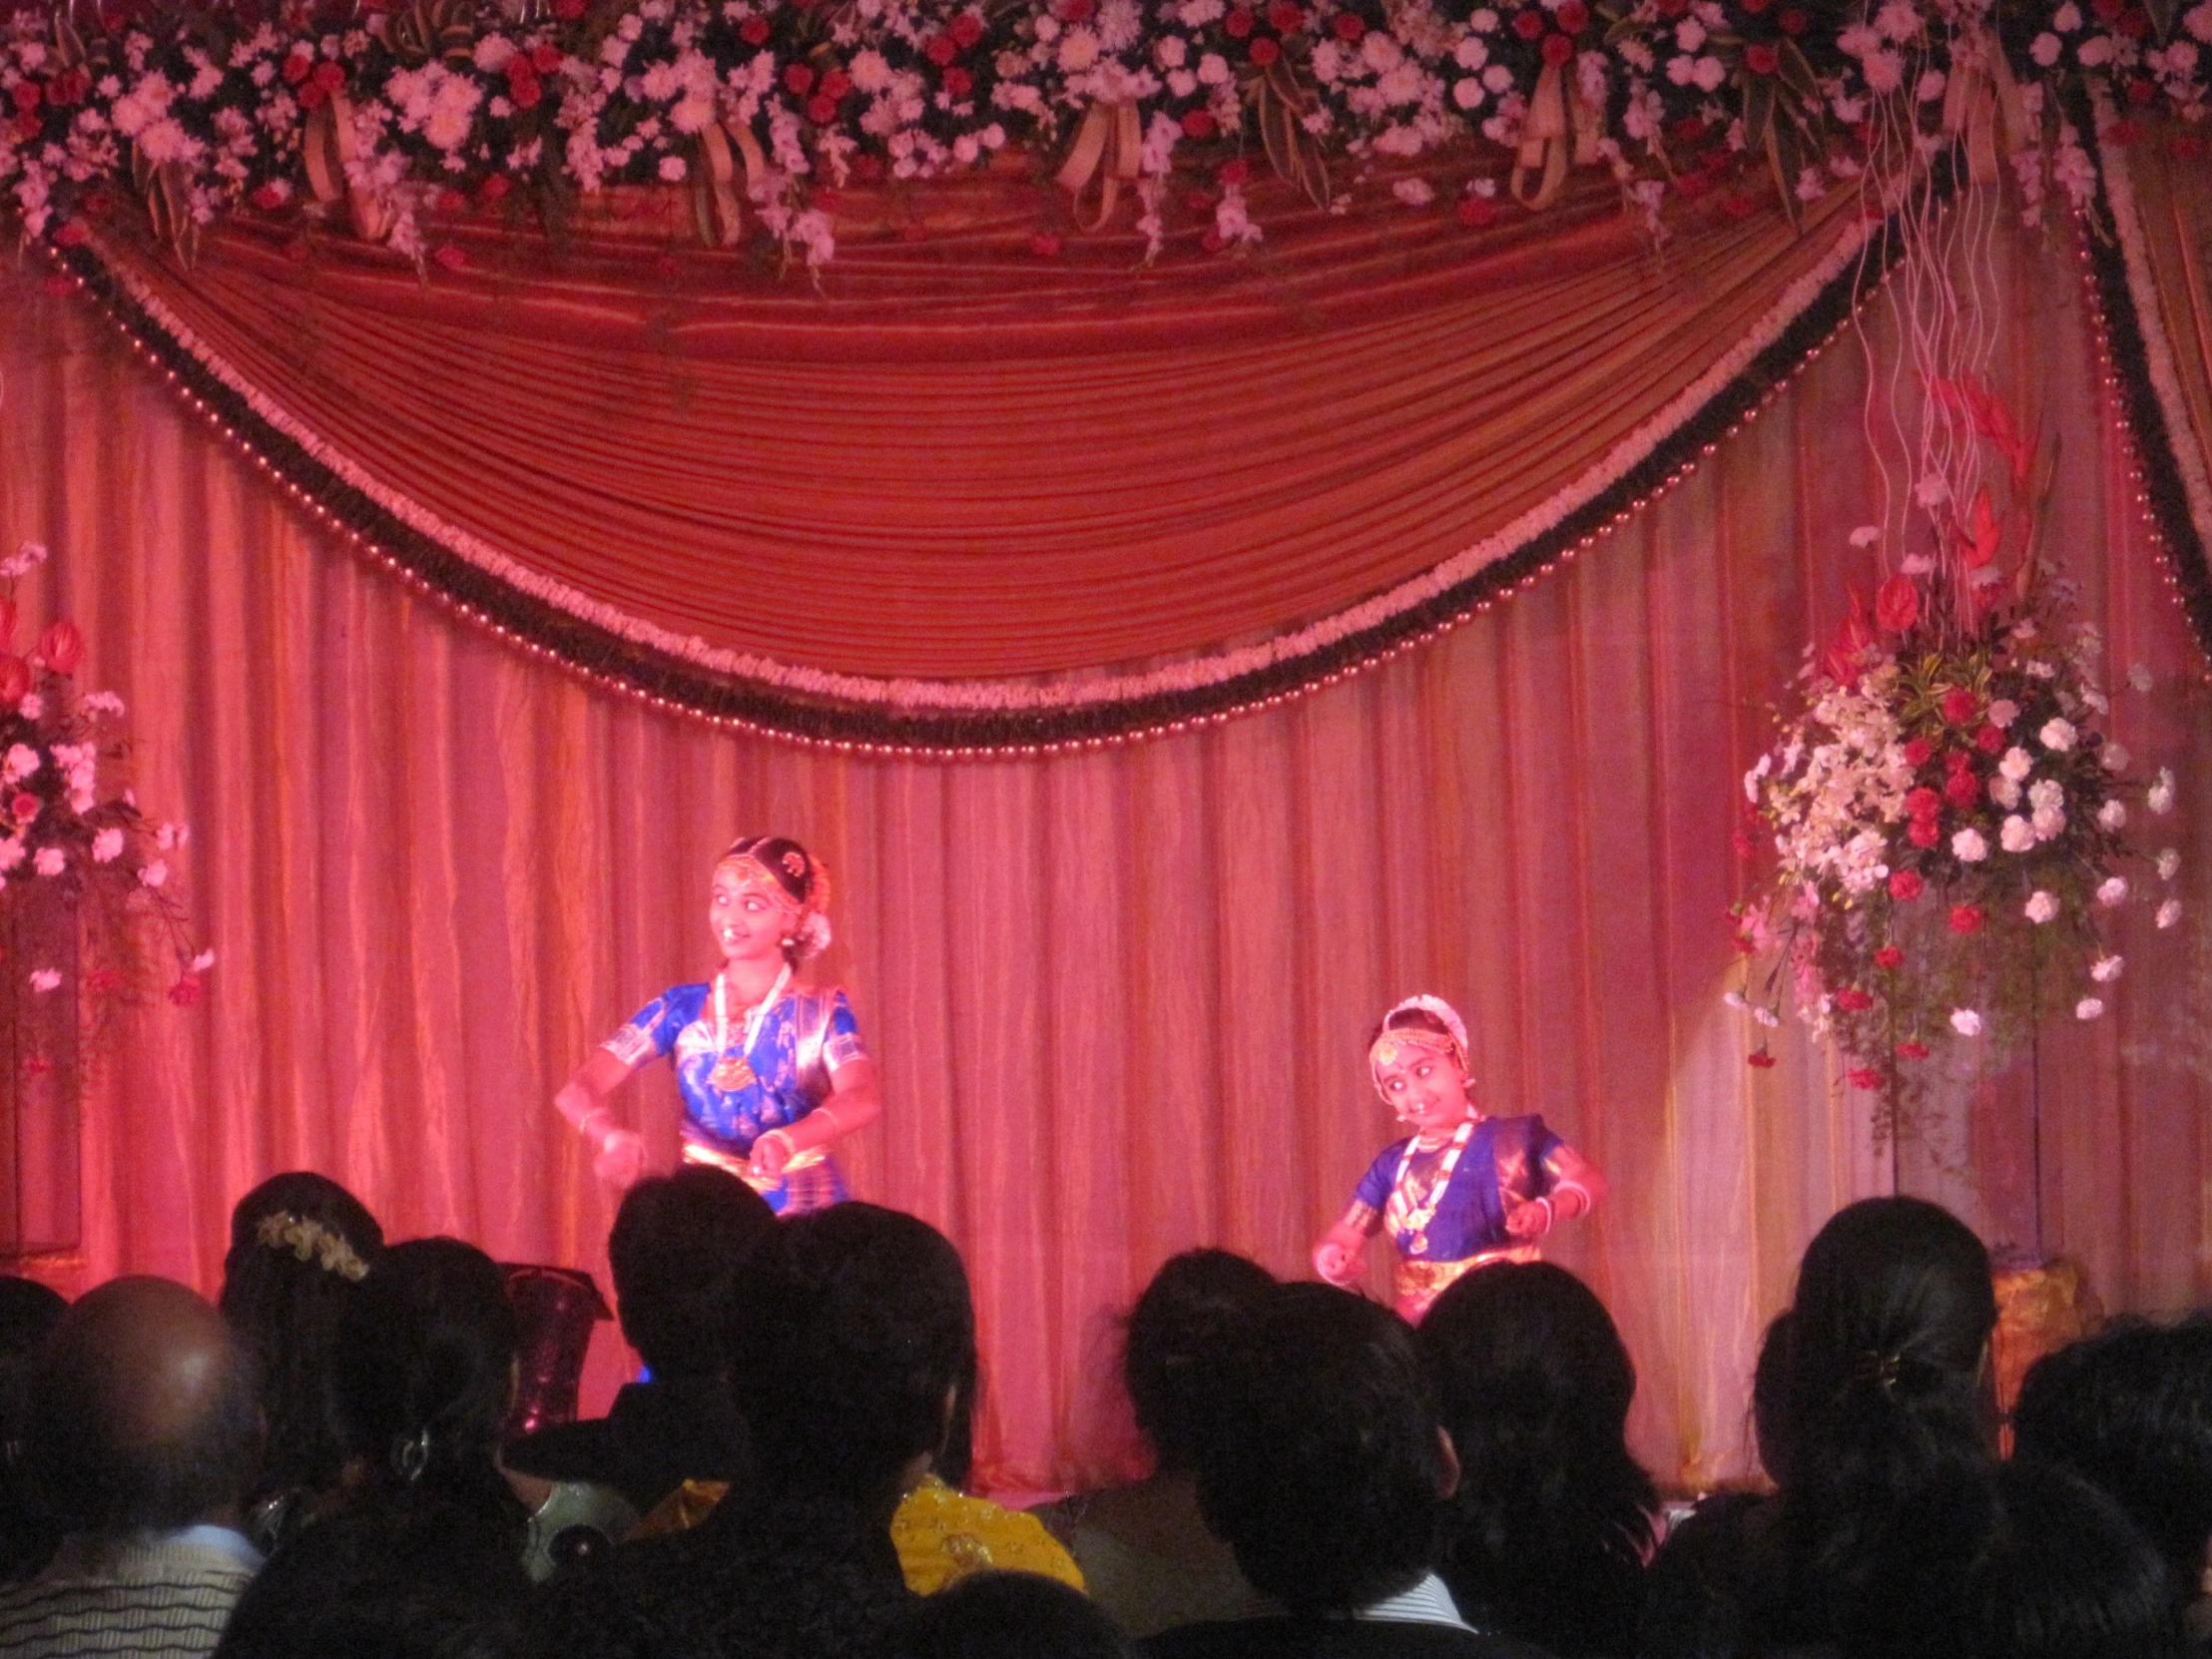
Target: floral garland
x,y
104,866
308,1240
765,109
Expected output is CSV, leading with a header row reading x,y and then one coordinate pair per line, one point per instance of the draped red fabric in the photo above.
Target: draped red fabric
x,y
956,460
1118,998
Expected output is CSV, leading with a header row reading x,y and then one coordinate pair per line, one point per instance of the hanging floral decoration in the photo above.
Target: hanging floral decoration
x,y
1953,830
70,848
379,117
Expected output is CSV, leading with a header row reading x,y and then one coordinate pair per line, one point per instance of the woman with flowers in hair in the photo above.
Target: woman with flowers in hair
x,y
1464,1189
771,1072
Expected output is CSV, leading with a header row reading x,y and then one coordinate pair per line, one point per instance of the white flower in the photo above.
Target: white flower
x,y
2047,822
2046,49
2112,890
1689,34
2113,814
1468,93
50,860
1078,51
2005,792
1169,51
2170,913
2067,18
1965,1022
2094,52
44,981
2017,764
2114,757
1968,848
101,702
2015,834
2041,906
2089,1007
1709,73
1865,535
1473,53
11,851
2169,865
673,170
106,847
2139,675
493,53
2003,712
2198,20
22,759
1734,999
2056,735
33,706
204,961
2160,800
1766,1016
155,874
1213,70
2105,969
1415,193
871,71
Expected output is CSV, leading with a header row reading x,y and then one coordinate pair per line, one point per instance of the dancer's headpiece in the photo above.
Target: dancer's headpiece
x,y
1394,1040
793,876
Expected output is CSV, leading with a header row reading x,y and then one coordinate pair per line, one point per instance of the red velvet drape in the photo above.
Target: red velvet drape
x,y
1118,998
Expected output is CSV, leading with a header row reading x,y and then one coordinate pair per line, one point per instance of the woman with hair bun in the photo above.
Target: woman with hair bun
x,y
1464,1189
771,1072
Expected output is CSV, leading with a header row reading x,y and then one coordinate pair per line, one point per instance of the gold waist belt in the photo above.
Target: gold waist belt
x,y
1428,1278
743,1169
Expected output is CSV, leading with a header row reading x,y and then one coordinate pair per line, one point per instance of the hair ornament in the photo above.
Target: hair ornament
x,y
1438,1006
310,1241
410,1455
1882,1369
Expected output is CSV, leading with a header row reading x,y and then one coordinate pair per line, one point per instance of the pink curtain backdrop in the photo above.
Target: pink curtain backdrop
x,y
1119,999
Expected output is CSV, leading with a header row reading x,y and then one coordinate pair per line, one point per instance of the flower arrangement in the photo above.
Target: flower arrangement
x,y
84,874
1950,823
769,107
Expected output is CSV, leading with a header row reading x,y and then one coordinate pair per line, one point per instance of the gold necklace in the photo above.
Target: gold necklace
x,y
1418,1217
734,1071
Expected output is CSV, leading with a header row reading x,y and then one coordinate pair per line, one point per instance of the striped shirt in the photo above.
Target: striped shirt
x,y
162,1595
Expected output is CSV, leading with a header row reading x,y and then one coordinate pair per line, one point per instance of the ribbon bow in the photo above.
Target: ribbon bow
x,y
1279,105
327,147
1560,129
1108,146
722,179
167,190
430,29
1981,102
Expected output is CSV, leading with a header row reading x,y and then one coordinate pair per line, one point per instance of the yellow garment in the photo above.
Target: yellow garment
x,y
943,1535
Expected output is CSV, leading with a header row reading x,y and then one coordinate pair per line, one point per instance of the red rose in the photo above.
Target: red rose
x,y
1233,173
966,31
2134,23
1905,885
1238,23
867,168
798,79
1966,918
450,256
1691,185
1755,7
1198,202
1264,50
63,647
1896,605
545,56
24,807
494,188
297,67
2108,11
1283,17
1924,832
1571,17
524,90
1961,706
1674,8
1347,26
1559,50
1045,246
1924,803
2122,132
1964,791
2187,148
1989,740
25,96
1761,58
7,620
186,992
329,75
102,980
1866,1077
1528,24
1920,750
1762,1059
822,109
941,50
269,196
835,83
1911,1052
1689,128
1795,22
753,31
1478,213
1853,1000
1889,956
1198,124
2140,91
568,11
959,82
1077,11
